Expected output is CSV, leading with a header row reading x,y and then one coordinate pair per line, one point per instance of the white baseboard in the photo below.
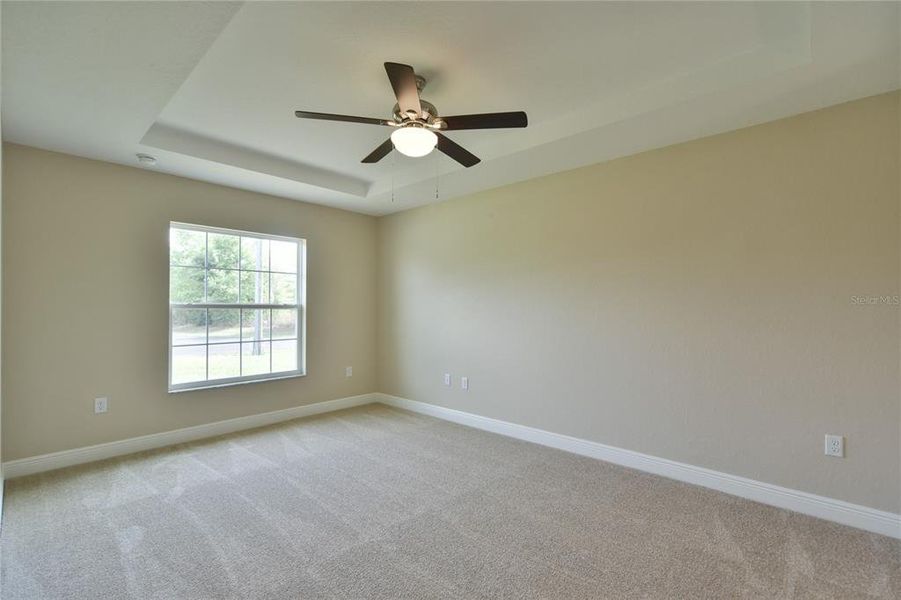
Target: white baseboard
x,y
838,511
67,458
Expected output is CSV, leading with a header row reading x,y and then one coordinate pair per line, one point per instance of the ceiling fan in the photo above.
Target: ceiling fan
x,y
417,125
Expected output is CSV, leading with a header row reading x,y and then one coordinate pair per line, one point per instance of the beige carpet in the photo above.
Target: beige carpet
x,y
378,503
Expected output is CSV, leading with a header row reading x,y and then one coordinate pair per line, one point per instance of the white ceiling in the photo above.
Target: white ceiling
x,y
209,88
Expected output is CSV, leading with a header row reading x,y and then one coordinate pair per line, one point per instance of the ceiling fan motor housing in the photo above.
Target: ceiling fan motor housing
x,y
428,116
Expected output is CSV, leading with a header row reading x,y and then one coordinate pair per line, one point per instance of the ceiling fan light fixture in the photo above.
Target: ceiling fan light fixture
x,y
414,141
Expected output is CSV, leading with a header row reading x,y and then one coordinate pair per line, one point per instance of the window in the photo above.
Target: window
x,y
236,306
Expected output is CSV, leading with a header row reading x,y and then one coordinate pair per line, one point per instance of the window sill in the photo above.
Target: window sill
x,y
225,384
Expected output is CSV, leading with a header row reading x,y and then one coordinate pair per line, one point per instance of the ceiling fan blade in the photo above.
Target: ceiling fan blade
x,y
379,153
456,151
403,81
486,121
346,118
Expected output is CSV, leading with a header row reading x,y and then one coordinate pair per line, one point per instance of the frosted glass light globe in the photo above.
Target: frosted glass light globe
x,y
414,141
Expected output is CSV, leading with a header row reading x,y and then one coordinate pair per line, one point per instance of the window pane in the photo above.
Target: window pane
x,y
255,324
236,276
283,256
254,254
254,287
188,364
284,356
284,323
284,289
187,248
224,325
188,326
222,251
222,286
225,361
185,285
254,358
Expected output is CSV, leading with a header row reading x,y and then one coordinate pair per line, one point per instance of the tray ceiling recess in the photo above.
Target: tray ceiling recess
x,y
210,89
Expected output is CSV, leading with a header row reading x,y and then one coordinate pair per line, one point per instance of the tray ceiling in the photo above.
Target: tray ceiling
x,y
210,88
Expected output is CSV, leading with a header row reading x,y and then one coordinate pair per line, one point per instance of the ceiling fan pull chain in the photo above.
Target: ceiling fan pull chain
x,y
437,177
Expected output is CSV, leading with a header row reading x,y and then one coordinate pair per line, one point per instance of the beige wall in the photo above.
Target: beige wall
x,y
85,294
693,303
1,292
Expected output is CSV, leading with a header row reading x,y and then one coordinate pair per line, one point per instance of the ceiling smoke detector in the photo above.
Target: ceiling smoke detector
x,y
146,159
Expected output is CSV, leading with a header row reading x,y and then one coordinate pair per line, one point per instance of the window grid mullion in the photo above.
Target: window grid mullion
x,y
245,305
242,270
206,264
240,247
207,345
232,343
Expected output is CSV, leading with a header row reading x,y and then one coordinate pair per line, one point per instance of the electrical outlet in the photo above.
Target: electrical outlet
x,y
348,371
101,405
464,383
835,446
447,379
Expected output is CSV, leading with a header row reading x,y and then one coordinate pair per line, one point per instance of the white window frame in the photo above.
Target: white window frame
x,y
300,306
